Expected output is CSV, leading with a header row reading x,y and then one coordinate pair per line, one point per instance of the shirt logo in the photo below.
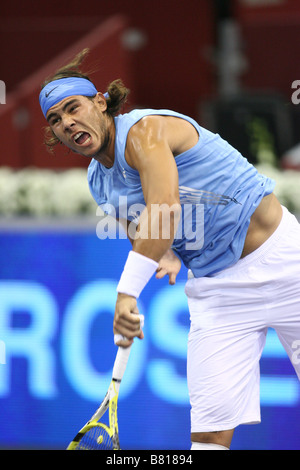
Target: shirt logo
x,y
199,196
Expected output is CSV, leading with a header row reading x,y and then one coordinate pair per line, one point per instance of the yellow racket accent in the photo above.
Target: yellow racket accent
x,y
96,435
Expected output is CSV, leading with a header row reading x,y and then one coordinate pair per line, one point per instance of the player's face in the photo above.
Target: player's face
x,y
79,123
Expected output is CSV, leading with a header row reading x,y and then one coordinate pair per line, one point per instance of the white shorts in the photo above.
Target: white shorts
x,y
230,314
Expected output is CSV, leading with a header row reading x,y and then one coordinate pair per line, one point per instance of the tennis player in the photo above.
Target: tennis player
x,y
244,268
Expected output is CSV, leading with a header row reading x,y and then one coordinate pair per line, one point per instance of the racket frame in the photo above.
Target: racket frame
x,y
109,402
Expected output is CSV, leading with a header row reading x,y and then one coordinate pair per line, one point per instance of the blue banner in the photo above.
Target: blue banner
x,y
57,299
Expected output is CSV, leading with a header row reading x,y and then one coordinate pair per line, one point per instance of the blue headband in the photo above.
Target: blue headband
x,y
57,90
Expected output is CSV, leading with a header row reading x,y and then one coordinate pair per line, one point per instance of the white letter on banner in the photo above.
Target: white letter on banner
x,y
32,342
171,337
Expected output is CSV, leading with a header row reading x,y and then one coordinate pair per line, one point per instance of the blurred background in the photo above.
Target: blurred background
x,y
230,64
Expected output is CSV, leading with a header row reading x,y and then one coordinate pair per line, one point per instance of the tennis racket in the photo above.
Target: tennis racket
x,y
96,435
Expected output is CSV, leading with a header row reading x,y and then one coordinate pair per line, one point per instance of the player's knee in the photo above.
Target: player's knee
x,y
211,440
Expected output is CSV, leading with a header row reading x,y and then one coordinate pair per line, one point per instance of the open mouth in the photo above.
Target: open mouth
x,y
81,138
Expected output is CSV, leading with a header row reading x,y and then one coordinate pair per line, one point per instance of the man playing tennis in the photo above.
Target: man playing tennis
x,y
244,276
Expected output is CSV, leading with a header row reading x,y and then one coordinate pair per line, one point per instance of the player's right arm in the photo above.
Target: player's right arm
x,y
149,152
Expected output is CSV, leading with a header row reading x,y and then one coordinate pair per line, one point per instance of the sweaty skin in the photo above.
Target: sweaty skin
x,y
263,223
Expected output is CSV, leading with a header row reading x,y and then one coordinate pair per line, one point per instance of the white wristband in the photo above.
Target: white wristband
x,y
137,272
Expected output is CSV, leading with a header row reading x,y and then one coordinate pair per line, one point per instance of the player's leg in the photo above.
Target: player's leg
x,y
285,262
225,344
229,318
220,440
223,381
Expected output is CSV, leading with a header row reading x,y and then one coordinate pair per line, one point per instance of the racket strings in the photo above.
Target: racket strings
x,y
96,438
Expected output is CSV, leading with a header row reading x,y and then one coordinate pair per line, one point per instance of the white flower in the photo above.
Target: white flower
x,y
71,195
38,192
287,187
9,187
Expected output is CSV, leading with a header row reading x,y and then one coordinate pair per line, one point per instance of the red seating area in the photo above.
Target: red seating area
x,y
170,69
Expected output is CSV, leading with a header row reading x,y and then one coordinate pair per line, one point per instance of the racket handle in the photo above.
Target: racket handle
x,y
120,363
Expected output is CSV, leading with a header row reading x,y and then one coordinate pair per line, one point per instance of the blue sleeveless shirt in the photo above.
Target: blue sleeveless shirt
x,y
219,191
